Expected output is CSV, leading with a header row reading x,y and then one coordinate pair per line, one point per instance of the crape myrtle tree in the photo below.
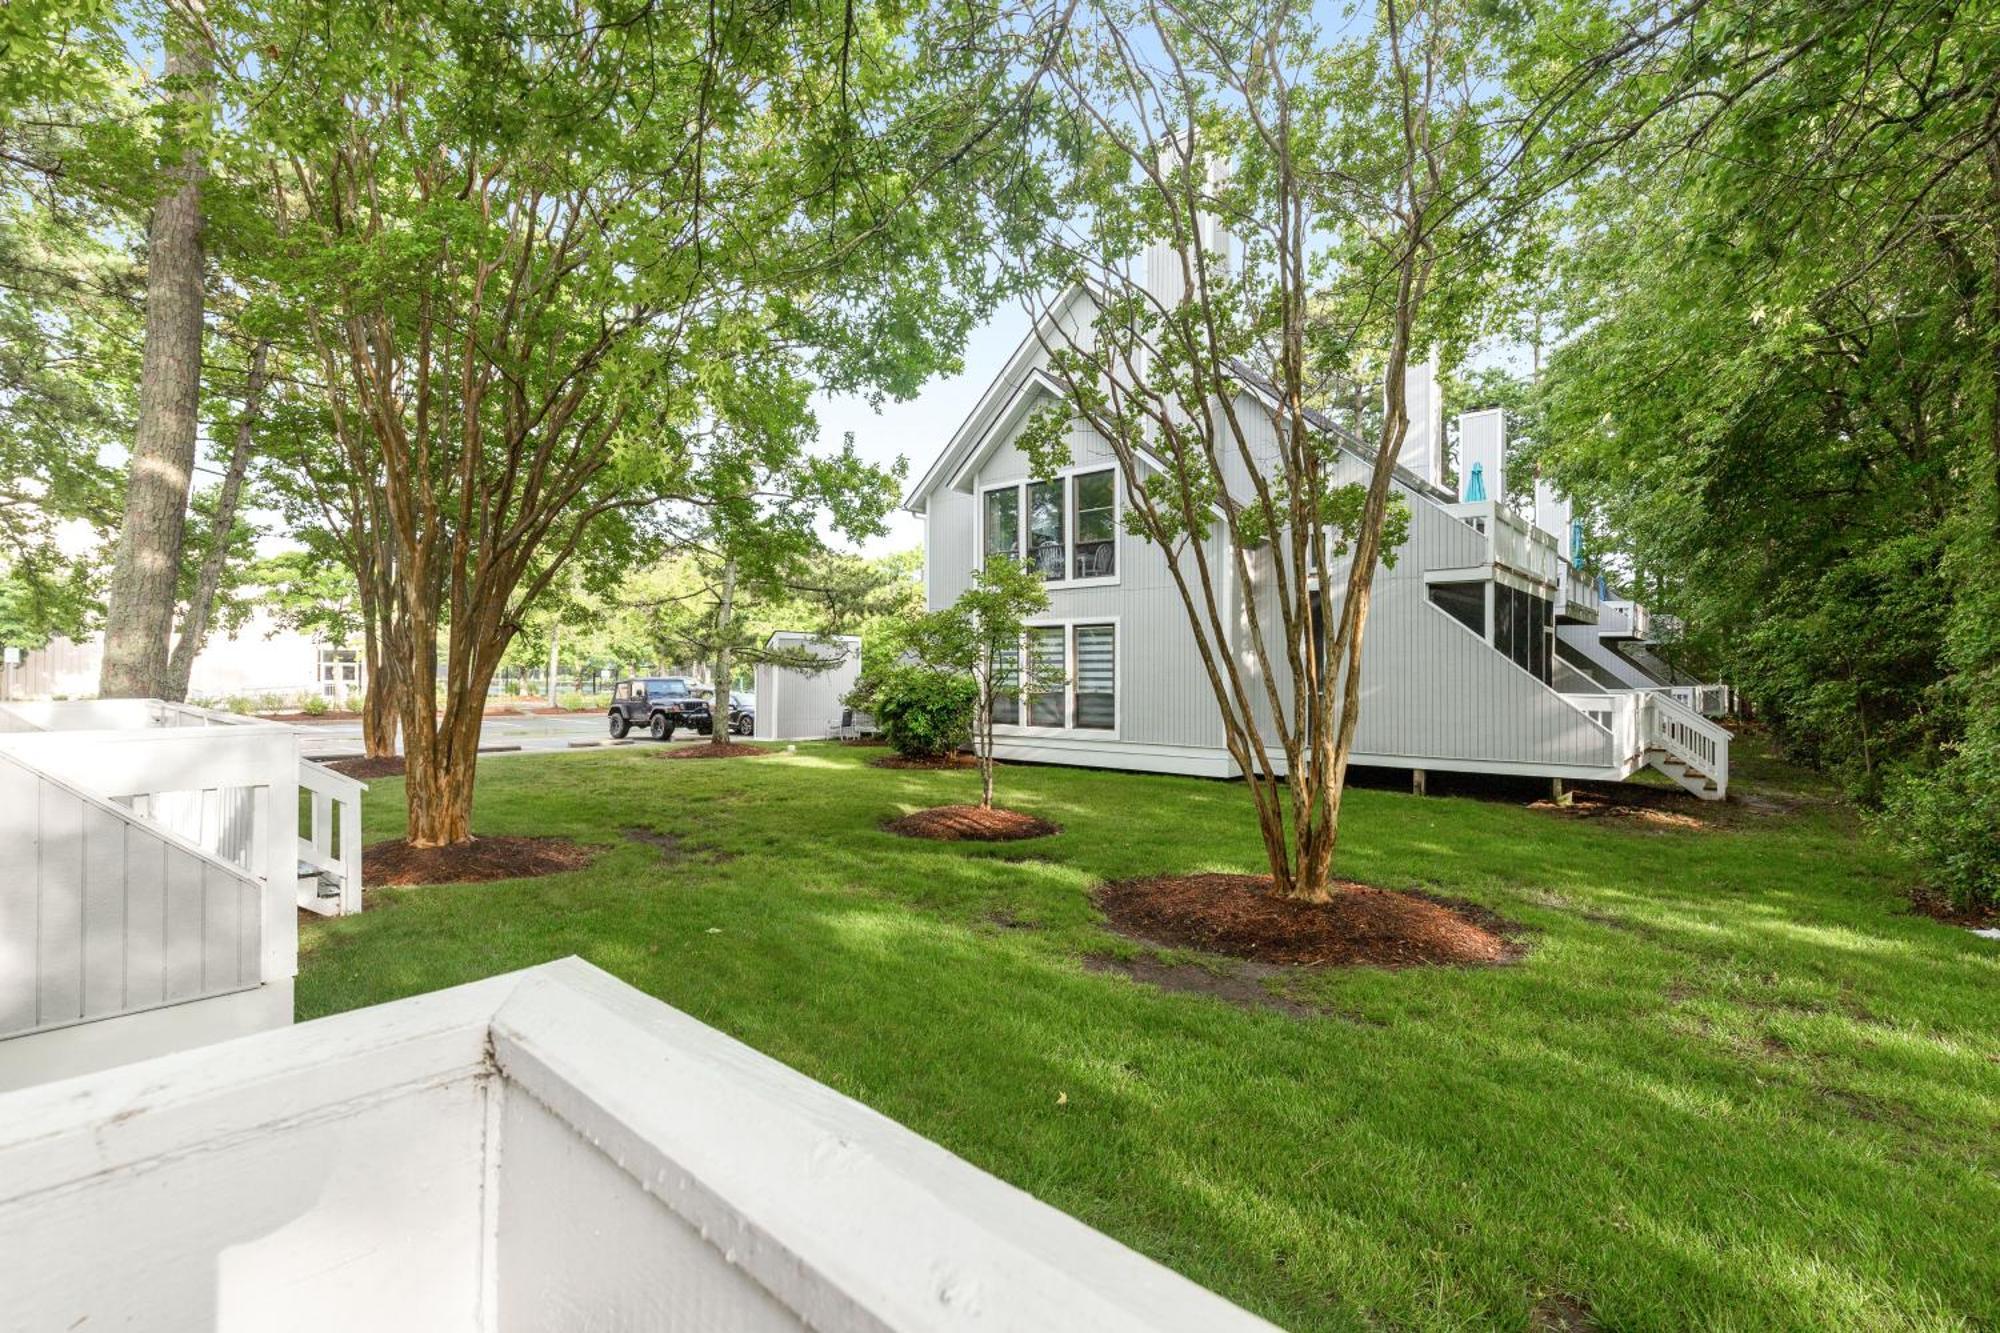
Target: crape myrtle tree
x,y
983,636
532,248
1265,214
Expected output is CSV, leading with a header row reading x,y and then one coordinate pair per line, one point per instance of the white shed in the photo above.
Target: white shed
x,y
797,705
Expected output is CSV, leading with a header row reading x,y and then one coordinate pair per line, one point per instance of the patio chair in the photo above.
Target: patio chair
x,y
842,728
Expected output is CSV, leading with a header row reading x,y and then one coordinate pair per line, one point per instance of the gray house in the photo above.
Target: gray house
x,y
1487,651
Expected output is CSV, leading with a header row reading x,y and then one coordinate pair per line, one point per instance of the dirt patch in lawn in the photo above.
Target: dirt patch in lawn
x,y
709,750
476,862
1939,908
674,849
969,823
1242,986
1239,916
940,763
1629,803
867,742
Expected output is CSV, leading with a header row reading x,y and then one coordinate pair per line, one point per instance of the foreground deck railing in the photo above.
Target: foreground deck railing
x,y
548,1149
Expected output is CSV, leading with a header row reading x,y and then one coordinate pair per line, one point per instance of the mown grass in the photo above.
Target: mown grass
x,y
1733,1085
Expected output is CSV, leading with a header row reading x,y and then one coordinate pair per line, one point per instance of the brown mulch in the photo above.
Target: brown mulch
x,y
867,742
363,767
1939,908
970,823
333,715
475,862
1639,805
710,750
1240,916
939,764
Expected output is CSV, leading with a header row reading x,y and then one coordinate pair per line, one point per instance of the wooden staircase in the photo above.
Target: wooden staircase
x,y
1686,746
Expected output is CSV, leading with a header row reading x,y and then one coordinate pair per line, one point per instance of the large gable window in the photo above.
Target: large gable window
x,y
1066,529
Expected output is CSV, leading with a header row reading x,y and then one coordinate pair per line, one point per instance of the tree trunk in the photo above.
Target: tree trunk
x,y
555,648
718,716
140,607
201,605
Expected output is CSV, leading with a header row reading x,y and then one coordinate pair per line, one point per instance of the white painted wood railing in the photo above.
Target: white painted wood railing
x,y
1618,712
1579,598
329,840
1708,700
103,912
1687,737
1513,543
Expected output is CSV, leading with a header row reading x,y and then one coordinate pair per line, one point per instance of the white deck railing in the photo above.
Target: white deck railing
x,y
1688,737
548,1149
1618,712
329,840
1621,618
1513,543
1577,598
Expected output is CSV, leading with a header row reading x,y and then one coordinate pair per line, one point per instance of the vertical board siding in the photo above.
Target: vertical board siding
x,y
59,953
103,913
100,916
145,919
20,881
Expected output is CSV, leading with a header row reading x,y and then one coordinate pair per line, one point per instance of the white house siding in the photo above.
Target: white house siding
x,y
1164,698
1433,694
951,553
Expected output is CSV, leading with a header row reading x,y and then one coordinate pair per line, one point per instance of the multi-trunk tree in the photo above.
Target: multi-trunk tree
x,y
1269,219
539,251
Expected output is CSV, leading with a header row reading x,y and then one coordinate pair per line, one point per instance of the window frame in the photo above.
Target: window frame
x,y
1066,478
1069,729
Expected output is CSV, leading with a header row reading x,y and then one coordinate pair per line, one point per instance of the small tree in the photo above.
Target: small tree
x,y
982,635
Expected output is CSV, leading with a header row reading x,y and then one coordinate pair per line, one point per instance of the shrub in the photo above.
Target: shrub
x,y
241,703
925,713
271,703
315,705
1949,818
573,700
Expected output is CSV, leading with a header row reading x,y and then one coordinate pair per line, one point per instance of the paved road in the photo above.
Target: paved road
x,y
323,739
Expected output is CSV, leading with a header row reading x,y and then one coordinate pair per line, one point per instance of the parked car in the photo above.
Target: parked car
x,y
742,713
660,704
742,709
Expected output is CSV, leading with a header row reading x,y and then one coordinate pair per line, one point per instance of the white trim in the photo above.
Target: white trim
x,y
1083,750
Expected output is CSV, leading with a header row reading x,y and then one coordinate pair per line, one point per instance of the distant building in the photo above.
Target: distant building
x,y
260,657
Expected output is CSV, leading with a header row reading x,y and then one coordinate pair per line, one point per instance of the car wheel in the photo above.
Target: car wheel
x,y
620,724
662,729
744,726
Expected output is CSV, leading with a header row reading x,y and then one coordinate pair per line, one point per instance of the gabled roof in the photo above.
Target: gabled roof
x,y
999,396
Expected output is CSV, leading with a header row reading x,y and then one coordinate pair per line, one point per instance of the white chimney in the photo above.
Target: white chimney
x,y
1162,260
1482,455
1423,446
1553,513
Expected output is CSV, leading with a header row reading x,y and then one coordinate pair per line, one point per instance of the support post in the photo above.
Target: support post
x,y
1556,792
1417,782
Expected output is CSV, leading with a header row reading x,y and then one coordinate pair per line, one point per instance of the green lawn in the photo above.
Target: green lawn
x,y
1733,1085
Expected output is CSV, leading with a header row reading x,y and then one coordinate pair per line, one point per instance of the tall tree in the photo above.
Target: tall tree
x,y
1264,215
140,612
538,250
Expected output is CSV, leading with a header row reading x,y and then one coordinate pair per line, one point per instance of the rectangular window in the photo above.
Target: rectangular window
x,y
1007,687
1047,691
1096,677
1045,528
1003,523
1096,525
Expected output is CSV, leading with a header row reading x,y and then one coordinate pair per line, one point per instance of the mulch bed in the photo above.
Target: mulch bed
x,y
939,764
970,823
1938,908
1239,915
867,742
475,862
386,766
332,715
709,750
